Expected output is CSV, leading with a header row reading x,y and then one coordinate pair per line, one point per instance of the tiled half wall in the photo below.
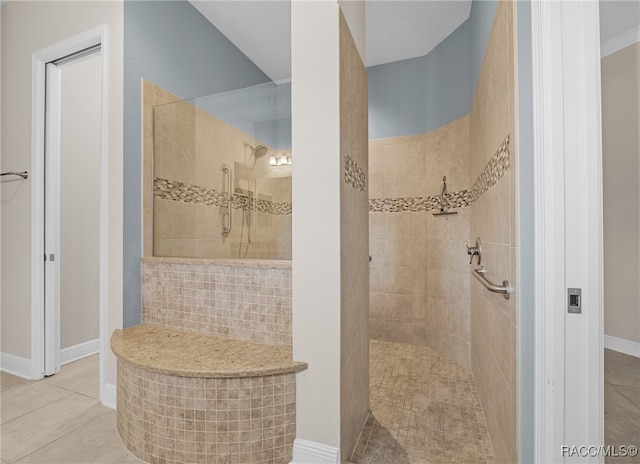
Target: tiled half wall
x,y
420,279
245,300
241,420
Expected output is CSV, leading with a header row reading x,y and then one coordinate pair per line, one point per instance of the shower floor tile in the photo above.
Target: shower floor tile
x,y
424,409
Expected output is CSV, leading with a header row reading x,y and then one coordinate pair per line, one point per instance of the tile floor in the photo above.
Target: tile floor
x,y
621,403
59,419
424,409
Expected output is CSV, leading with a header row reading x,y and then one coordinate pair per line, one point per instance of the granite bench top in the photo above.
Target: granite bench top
x,y
190,354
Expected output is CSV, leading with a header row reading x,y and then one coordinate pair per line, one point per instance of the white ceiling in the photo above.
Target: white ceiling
x,y
395,29
260,29
398,30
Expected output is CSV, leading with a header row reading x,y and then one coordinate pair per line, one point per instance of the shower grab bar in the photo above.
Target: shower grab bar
x,y
504,289
226,170
23,174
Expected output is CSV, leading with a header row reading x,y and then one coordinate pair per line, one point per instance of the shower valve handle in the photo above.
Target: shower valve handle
x,y
475,251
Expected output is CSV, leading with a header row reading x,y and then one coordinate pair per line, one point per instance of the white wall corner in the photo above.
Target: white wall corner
x,y
622,346
619,42
20,367
310,452
108,396
79,351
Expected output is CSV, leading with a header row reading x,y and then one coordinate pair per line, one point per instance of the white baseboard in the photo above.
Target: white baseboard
x,y
622,346
619,42
108,396
18,366
309,452
79,351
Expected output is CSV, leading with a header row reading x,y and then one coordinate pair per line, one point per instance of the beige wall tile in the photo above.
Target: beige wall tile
x,y
438,285
377,278
420,251
439,227
376,185
492,118
354,207
398,279
377,308
399,307
438,254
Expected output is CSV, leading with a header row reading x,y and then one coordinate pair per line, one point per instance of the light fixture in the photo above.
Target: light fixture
x,y
282,160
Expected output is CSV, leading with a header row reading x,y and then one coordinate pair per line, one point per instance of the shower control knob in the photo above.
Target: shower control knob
x,y
475,251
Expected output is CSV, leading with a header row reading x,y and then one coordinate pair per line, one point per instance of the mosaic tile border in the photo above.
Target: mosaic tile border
x,y
495,169
354,175
458,199
166,189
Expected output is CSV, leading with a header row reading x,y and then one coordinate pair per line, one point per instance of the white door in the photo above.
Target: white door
x,y
72,208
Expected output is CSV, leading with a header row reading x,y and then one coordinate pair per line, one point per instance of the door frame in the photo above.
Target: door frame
x,y
39,311
569,374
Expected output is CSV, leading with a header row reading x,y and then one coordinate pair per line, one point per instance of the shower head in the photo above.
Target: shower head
x,y
259,151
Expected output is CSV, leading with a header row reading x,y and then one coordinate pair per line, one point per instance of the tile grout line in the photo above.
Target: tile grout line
x,y
633,405
43,406
61,436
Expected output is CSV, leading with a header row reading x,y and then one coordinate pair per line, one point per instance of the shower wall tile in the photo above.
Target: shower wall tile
x,y
377,309
493,162
399,280
439,228
245,303
376,185
399,307
354,233
439,285
377,251
421,273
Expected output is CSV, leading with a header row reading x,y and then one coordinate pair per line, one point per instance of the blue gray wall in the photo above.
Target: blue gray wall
x,y
397,96
171,44
447,79
421,94
480,24
526,207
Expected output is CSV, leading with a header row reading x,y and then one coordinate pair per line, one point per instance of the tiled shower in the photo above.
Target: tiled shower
x,y
422,291
419,290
